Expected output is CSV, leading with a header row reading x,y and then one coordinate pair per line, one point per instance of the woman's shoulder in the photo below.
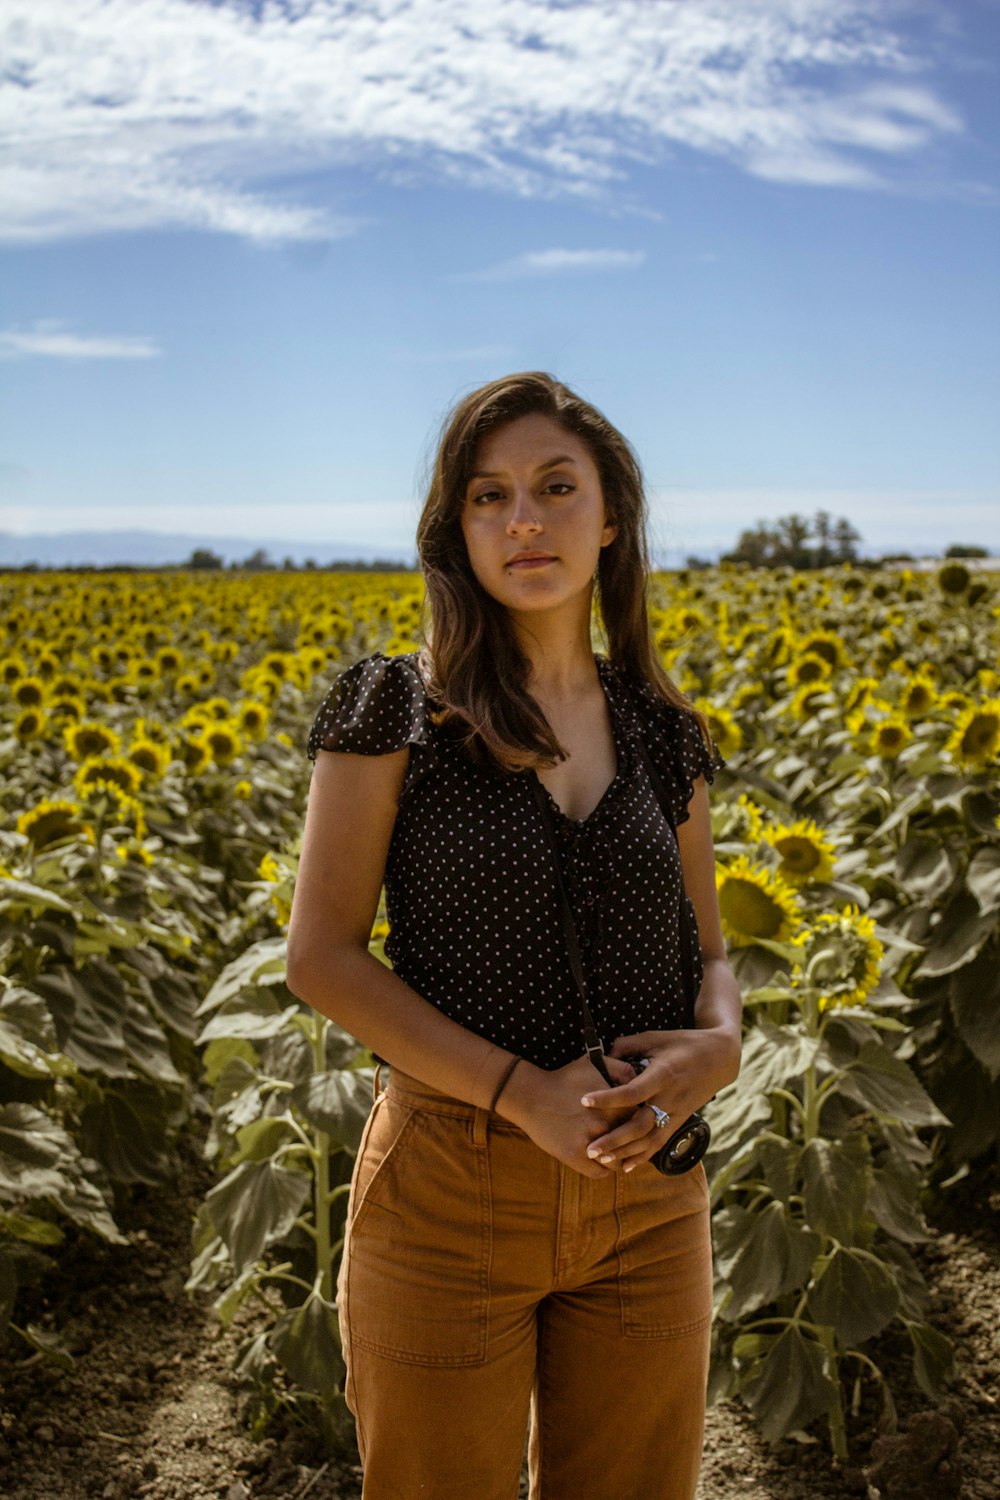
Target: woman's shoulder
x,y
375,706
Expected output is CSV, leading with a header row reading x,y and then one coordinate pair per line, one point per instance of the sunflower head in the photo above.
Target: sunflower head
x,y
808,699
28,692
279,876
11,669
807,668
727,736
253,719
975,740
169,660
151,757
90,738
50,822
754,903
828,645
102,771
29,724
222,742
806,853
918,696
841,957
954,578
740,820
890,737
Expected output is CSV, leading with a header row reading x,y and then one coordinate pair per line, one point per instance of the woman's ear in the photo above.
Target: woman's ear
x,y
609,532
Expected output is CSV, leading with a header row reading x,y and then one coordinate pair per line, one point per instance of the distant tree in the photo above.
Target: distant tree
x,y
784,544
697,564
289,565
823,527
960,549
203,557
257,562
310,564
845,540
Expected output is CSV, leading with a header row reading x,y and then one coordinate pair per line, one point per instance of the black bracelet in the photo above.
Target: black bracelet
x,y
508,1070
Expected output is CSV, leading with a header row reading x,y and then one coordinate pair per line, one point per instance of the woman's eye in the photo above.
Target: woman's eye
x,y
485,495
560,487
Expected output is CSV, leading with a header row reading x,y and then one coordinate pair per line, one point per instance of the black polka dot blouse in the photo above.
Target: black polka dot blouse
x,y
471,899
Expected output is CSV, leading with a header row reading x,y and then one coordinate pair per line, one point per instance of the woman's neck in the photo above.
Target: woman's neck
x,y
562,666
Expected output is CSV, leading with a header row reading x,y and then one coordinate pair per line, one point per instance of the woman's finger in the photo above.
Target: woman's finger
x,y
621,1141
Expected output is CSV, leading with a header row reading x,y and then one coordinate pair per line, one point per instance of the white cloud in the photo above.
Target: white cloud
x,y
51,340
212,114
557,263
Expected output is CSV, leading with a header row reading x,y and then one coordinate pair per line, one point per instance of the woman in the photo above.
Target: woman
x,y
510,1246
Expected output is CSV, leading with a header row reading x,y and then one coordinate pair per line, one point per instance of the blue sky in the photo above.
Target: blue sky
x,y
251,252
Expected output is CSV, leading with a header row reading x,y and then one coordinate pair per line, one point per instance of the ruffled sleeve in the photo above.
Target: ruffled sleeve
x,y
677,748
374,707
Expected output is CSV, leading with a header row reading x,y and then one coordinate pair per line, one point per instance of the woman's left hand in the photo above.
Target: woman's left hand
x,y
686,1068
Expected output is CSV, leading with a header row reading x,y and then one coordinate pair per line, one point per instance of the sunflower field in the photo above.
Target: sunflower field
x,y
152,739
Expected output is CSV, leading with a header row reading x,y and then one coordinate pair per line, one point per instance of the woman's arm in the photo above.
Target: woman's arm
x,y
687,1067
351,812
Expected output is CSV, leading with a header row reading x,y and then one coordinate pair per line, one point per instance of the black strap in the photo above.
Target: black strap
x,y
591,1036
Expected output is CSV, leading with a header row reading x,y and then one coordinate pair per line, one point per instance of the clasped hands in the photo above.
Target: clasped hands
x,y
685,1069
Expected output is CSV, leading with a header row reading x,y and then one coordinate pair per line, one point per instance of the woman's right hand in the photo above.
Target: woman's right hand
x,y
546,1106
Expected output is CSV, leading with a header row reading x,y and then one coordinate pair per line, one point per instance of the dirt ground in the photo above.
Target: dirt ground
x,y
151,1409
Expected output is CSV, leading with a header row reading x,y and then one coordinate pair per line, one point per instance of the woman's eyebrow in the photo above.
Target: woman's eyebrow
x,y
550,463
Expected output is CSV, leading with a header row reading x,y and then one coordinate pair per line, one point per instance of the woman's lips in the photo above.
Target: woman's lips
x,y
532,562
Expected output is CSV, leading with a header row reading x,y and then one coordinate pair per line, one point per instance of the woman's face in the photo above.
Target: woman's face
x,y
533,515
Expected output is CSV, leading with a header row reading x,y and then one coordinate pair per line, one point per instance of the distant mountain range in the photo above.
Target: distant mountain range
x,y
105,549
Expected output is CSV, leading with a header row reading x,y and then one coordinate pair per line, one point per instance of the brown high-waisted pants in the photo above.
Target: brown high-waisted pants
x,y
483,1282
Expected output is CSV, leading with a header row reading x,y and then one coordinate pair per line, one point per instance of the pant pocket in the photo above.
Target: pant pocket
x,y
418,1250
665,1253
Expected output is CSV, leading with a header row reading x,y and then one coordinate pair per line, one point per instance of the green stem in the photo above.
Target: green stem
x,y
838,1430
321,1180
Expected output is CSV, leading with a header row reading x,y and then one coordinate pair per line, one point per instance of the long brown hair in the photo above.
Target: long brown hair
x,y
472,661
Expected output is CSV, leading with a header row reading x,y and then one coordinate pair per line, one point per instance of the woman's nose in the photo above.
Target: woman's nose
x,y
524,514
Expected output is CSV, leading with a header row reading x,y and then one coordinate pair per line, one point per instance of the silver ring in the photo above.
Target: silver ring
x,y
661,1116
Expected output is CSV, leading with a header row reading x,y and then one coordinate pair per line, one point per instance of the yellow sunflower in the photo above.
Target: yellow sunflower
x,y
68,708
243,790
740,820
808,699
806,853
11,669
169,660
755,903
278,875
726,733
49,822
107,771
29,724
128,812
189,684
194,753
975,740
808,668
828,645
90,738
253,718
29,692
918,696
150,756
890,737
843,957
222,742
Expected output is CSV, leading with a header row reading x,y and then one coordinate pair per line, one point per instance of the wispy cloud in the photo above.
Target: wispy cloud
x,y
51,340
136,114
555,263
